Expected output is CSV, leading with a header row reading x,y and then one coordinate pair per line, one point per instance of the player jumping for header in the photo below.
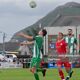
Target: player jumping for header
x,y
37,55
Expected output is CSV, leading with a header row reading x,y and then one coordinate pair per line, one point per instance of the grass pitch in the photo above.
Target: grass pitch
x,y
25,74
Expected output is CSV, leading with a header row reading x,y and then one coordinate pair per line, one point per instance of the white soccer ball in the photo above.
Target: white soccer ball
x,y
32,4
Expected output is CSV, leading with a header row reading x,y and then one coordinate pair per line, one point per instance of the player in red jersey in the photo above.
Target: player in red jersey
x,y
61,49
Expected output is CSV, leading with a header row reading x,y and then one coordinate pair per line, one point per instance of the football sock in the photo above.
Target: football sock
x,y
36,76
61,74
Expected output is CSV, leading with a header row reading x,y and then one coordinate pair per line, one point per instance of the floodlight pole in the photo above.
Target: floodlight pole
x,y
76,38
40,26
4,36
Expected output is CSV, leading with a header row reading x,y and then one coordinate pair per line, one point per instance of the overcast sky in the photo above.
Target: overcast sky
x,y
15,15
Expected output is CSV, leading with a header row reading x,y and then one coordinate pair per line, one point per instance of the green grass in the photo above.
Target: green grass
x,y
25,74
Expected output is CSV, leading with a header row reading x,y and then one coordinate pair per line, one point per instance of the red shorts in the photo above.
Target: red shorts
x,y
65,63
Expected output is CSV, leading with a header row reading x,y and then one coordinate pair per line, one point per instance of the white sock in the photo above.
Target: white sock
x,y
63,79
67,76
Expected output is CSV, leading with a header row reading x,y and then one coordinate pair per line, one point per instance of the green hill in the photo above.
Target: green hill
x,y
65,15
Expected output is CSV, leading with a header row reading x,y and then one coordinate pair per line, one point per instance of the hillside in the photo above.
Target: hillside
x,y
65,15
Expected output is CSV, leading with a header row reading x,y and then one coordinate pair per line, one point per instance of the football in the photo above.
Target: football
x,y
33,4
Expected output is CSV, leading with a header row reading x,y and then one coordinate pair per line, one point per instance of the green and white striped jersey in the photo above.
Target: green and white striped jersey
x,y
71,41
38,42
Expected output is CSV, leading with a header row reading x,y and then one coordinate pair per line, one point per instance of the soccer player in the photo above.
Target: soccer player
x,y
71,41
72,45
37,55
61,49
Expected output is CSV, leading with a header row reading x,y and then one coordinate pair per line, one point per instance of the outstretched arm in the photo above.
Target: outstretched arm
x,y
25,35
27,43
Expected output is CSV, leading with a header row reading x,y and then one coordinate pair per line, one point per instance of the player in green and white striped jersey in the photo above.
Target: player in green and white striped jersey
x,y
72,46
71,41
37,55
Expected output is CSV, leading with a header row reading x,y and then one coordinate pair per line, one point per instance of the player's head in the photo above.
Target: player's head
x,y
42,32
70,31
60,35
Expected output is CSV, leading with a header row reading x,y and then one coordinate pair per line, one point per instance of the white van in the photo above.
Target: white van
x,y
10,57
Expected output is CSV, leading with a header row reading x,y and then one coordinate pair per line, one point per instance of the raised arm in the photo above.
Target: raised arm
x,y
25,35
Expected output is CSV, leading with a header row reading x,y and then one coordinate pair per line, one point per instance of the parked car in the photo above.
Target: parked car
x,y
11,57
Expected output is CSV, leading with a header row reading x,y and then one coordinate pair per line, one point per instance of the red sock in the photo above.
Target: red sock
x,y
61,74
67,66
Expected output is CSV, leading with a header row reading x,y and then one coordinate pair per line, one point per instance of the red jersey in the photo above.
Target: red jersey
x,y
61,47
